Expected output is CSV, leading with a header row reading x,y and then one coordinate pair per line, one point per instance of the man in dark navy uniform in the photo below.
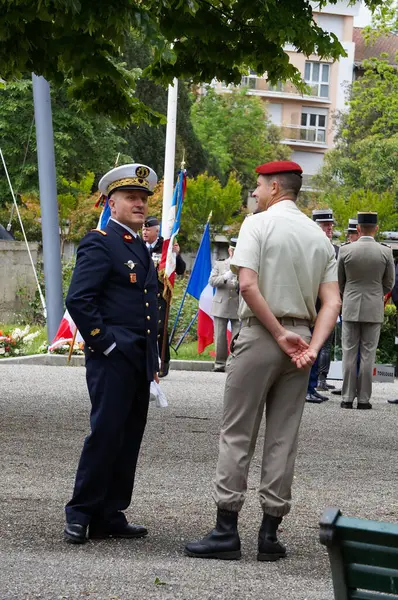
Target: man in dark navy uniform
x,y
113,301
154,243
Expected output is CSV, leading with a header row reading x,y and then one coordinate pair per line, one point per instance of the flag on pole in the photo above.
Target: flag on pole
x,y
170,229
65,333
199,288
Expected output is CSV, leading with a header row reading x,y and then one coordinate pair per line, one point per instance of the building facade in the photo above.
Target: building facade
x,y
307,120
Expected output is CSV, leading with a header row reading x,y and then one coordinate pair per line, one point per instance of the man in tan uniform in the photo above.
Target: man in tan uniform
x,y
224,306
366,273
285,262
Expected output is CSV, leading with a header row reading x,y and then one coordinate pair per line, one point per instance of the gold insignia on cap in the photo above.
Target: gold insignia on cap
x,y
94,332
128,181
142,171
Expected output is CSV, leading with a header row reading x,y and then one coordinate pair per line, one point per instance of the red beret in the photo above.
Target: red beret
x,y
279,166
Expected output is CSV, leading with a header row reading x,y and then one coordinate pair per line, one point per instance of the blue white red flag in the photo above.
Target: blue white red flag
x,y
167,265
199,288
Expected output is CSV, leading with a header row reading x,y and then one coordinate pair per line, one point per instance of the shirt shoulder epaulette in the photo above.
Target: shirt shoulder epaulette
x,y
384,244
100,231
344,244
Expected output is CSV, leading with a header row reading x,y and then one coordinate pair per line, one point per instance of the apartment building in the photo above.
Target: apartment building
x,y
307,120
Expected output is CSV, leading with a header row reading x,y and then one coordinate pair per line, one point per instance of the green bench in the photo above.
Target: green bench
x,y
363,556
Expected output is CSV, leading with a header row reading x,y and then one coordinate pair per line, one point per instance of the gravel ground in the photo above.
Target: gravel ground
x,y
346,459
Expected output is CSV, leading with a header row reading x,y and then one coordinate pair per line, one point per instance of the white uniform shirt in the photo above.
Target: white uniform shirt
x,y
292,257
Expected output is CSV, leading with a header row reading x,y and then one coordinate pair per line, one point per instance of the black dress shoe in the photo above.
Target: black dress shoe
x,y
222,542
345,404
336,392
219,370
322,385
122,531
315,398
75,533
269,548
393,401
364,406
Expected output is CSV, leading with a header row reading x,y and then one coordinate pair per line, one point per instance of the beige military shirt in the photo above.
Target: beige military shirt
x,y
292,257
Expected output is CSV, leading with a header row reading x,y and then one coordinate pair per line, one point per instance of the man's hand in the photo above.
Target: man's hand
x,y
305,359
292,344
176,248
228,275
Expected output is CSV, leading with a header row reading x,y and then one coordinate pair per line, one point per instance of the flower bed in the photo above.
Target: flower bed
x,y
16,342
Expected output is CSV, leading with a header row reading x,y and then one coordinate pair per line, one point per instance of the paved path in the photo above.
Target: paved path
x,y
346,459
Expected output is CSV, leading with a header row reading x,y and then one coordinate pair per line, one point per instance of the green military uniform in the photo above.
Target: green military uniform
x,y
366,273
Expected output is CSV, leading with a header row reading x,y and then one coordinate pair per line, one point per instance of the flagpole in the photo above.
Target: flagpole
x,y
189,279
72,344
169,158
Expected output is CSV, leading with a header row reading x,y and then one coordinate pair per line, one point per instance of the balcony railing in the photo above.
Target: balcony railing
x,y
311,135
261,86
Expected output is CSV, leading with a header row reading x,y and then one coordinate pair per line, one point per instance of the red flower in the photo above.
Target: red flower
x,y
7,348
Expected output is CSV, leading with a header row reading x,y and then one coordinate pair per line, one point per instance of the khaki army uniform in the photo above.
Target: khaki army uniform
x,y
292,257
366,273
224,308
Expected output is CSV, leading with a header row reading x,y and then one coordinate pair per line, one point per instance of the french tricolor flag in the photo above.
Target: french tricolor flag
x,y
167,264
199,288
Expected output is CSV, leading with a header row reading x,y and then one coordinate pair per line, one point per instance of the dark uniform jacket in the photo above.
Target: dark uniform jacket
x,y
113,296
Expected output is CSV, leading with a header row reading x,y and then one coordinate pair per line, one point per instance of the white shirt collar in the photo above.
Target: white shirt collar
x,y
133,233
148,245
367,237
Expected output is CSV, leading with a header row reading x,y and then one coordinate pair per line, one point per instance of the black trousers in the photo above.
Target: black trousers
x,y
325,357
119,395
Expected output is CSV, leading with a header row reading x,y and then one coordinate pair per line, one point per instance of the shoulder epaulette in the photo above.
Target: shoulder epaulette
x,y
100,231
384,244
344,244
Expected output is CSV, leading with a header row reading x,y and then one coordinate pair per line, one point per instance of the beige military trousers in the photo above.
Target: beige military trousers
x,y
221,340
363,337
260,375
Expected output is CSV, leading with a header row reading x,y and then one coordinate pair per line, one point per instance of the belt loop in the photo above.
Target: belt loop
x,y
294,322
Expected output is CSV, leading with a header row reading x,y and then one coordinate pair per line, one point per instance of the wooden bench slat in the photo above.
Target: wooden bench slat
x,y
361,530
370,554
368,577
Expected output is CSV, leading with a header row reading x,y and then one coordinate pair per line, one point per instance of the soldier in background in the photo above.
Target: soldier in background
x,y
366,273
225,306
154,243
352,231
320,369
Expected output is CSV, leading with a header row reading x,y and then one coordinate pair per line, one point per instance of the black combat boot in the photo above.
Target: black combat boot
x,y
222,542
268,546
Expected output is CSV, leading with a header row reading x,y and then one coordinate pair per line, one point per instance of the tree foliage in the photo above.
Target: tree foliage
x,y
146,144
81,143
366,152
234,130
205,194
82,44
347,206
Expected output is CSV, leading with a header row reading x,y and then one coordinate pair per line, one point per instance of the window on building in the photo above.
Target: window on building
x,y
276,88
316,75
249,82
313,127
